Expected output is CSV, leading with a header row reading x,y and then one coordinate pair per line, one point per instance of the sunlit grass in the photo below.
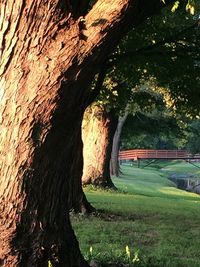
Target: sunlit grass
x,y
149,215
150,182
183,167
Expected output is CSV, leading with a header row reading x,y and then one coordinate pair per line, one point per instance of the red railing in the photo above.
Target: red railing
x,y
155,154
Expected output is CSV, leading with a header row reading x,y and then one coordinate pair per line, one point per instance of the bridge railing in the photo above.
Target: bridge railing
x,y
153,154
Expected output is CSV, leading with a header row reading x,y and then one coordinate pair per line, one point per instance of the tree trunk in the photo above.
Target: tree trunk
x,y
98,132
47,61
114,163
79,202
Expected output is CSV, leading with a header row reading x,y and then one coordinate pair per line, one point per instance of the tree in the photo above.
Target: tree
x,y
159,129
142,99
100,125
49,56
98,131
78,201
169,53
138,66
100,122
114,163
167,41
191,137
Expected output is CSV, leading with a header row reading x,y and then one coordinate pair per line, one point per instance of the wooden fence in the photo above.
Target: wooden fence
x,y
135,154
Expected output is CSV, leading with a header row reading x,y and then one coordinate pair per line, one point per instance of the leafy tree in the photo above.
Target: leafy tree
x,y
49,56
169,53
169,56
132,63
98,130
192,136
159,130
100,125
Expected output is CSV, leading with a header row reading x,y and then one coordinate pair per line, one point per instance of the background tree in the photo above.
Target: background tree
x,y
114,163
155,130
133,69
98,132
143,99
191,137
98,129
100,124
169,53
163,52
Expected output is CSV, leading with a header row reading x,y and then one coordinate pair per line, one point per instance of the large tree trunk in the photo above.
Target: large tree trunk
x,y
114,163
47,60
98,131
43,70
79,202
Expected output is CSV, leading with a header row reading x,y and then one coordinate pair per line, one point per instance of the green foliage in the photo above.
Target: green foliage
x,y
158,129
193,136
163,49
175,6
169,53
114,94
50,264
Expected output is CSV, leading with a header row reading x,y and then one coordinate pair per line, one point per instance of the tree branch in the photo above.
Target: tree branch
x,y
148,48
99,83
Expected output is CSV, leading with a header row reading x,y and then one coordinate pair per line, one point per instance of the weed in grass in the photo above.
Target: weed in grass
x,y
111,258
132,260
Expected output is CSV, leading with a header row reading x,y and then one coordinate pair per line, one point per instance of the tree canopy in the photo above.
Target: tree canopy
x,y
169,54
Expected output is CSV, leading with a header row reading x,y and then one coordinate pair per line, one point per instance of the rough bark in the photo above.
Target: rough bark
x,y
47,61
98,132
114,163
78,200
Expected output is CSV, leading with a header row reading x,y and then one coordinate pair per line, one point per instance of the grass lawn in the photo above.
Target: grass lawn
x,y
183,167
149,222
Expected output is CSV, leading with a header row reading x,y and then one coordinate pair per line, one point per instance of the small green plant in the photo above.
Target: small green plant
x,y
50,264
128,253
90,253
135,257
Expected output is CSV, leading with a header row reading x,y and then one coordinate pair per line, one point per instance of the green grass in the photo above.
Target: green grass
x,y
149,215
183,167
